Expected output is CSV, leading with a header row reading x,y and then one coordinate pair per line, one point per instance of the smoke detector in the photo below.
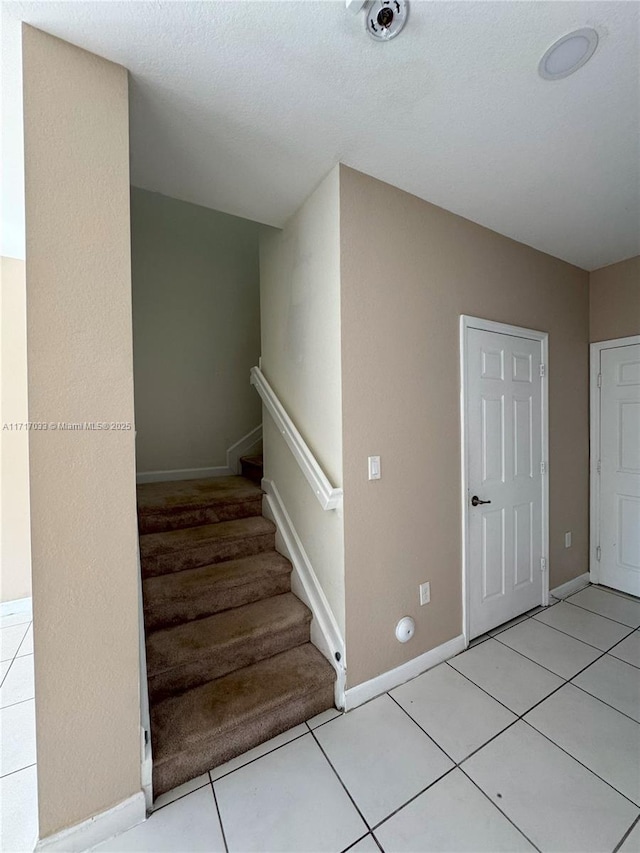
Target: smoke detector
x,y
384,19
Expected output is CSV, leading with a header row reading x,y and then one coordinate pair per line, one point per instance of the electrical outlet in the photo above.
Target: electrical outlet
x,y
567,540
425,593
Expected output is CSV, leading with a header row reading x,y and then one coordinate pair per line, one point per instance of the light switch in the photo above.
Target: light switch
x,y
374,467
567,540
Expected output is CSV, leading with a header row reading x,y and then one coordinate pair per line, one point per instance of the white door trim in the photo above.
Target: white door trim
x,y
594,447
466,323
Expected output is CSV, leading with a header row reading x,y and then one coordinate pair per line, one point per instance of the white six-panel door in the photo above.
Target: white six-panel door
x,y
505,537
618,531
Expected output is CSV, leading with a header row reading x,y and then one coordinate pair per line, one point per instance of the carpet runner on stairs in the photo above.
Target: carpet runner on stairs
x,y
229,658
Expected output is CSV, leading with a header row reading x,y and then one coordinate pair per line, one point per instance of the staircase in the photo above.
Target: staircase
x,y
229,661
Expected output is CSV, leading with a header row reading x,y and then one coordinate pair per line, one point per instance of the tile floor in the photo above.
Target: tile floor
x,y
529,740
18,794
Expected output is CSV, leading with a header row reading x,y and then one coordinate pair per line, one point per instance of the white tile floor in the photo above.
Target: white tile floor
x,y
529,740
18,792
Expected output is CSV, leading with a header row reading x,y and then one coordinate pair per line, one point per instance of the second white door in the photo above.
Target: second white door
x,y
504,417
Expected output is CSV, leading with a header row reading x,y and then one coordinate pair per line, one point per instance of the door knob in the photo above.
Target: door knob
x,y
475,501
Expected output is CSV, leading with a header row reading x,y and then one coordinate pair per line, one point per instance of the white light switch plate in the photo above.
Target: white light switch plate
x,y
374,467
425,593
567,540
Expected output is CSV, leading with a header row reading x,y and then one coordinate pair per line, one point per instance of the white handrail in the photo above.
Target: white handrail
x,y
328,496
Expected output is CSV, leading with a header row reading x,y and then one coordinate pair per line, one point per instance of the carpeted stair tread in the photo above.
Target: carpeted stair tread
x,y
175,550
252,468
191,594
187,655
186,503
211,724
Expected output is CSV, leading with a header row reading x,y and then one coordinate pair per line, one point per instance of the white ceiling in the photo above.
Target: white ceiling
x,y
245,106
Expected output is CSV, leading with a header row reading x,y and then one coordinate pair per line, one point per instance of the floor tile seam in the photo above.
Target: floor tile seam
x,y
584,642
219,813
479,686
507,646
18,770
634,665
503,813
182,796
357,841
19,702
595,613
4,678
601,615
253,760
626,835
627,596
411,799
604,702
535,705
586,767
22,643
339,778
580,640
422,729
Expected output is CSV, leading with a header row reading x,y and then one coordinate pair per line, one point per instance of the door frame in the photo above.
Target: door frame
x,y
594,446
467,322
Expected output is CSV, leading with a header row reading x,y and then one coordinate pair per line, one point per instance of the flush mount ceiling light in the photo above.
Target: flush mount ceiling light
x,y
568,54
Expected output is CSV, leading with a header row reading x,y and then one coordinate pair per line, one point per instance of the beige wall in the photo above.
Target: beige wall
x,y
15,541
615,301
300,305
82,483
409,269
196,331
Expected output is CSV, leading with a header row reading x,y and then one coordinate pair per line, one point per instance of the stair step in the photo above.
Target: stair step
x,y
187,503
191,594
188,655
252,468
211,724
176,550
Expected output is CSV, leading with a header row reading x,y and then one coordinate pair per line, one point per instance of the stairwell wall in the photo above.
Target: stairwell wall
x,y
408,270
300,317
82,482
196,331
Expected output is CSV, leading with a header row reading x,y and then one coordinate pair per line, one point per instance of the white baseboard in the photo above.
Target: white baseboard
x,y
183,474
248,445
325,633
360,694
16,607
89,833
571,586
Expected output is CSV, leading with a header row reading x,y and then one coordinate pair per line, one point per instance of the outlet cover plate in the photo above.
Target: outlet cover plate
x,y
425,593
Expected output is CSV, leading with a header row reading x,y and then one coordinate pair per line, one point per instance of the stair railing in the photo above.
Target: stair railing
x,y
328,496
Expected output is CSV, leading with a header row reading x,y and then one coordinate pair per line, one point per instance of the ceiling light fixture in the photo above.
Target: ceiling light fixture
x,y
568,54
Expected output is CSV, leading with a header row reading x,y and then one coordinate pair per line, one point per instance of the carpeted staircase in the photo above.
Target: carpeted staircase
x,y
229,661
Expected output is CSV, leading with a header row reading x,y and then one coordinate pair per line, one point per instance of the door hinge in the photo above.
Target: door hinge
x,y
599,466
598,553
543,467
599,380
543,370
543,564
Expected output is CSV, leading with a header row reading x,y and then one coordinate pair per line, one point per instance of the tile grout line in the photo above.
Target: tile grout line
x,y
626,835
595,613
257,758
515,825
577,760
215,800
357,841
579,639
17,650
338,777
18,770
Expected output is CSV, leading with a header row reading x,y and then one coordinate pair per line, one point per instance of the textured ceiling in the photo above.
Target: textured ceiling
x,y
245,106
